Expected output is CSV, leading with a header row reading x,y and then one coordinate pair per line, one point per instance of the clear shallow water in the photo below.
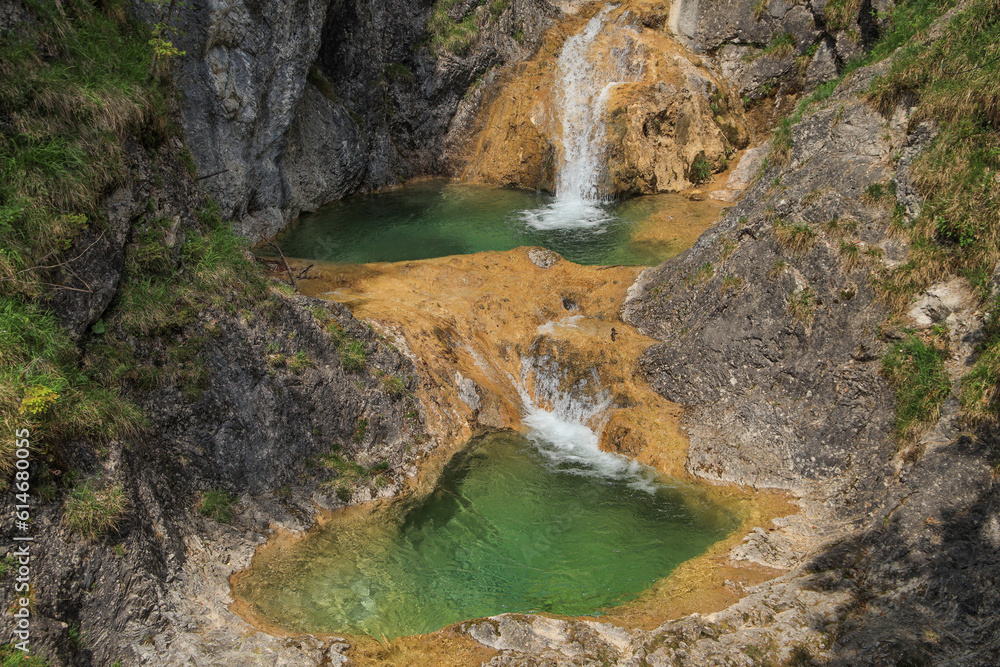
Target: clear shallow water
x,y
513,526
438,217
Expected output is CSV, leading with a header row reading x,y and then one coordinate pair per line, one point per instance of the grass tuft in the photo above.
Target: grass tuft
x,y
218,505
449,35
94,512
915,368
797,237
980,391
801,305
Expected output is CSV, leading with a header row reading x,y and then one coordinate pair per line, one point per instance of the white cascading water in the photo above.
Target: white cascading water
x,y
565,432
585,76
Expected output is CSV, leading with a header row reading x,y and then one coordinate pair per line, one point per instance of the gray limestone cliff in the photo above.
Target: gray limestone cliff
x,y
287,106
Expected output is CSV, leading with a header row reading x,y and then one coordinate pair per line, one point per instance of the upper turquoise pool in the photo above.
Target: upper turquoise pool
x,y
439,217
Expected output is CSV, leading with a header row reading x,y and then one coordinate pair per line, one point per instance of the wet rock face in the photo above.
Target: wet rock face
x,y
291,105
663,111
659,132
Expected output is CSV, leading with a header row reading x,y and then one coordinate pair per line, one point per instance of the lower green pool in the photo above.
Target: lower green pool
x,y
515,524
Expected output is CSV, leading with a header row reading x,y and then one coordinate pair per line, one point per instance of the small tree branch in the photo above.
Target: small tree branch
x,y
291,278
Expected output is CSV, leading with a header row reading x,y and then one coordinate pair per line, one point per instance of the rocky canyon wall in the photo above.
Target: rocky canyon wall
x,y
290,105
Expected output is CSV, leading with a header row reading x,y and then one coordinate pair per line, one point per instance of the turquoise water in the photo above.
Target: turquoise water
x,y
435,218
513,526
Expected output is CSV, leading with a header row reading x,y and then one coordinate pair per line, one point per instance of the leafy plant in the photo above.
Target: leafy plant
x,y
701,170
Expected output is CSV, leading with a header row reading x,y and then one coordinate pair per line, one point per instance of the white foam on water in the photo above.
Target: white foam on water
x,y
566,434
568,213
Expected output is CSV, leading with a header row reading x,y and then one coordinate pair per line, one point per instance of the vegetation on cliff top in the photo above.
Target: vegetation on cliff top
x,y
952,77
955,81
80,99
75,87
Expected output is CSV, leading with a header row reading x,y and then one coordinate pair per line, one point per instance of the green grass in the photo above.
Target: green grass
x,y
394,386
74,89
316,77
908,19
851,254
299,362
980,391
399,73
218,505
93,512
840,14
730,282
956,81
801,305
915,369
360,431
352,355
12,657
780,45
43,387
797,237
344,468
702,274
449,35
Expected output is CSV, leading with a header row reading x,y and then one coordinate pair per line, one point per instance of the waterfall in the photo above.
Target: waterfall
x,y
591,63
564,424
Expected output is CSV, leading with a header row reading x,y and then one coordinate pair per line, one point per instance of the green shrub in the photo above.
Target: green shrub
x,y
701,170
93,512
218,505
